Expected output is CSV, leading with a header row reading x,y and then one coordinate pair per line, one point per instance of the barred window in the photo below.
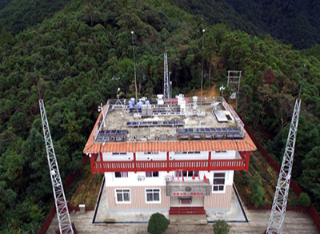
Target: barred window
x,y
152,195
219,181
123,196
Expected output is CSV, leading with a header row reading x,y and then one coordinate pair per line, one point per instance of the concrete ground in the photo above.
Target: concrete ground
x,y
295,223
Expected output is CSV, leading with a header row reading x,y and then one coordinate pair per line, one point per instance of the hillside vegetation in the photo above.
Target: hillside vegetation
x,y
70,60
292,22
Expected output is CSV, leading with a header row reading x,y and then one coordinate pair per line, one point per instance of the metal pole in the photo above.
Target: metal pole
x,y
203,30
134,66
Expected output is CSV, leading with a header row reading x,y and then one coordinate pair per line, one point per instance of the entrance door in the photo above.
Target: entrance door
x,y
185,200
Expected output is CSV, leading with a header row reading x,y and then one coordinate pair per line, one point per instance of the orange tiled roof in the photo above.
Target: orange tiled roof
x,y
214,145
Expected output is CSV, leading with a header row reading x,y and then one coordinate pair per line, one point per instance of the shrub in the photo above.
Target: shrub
x,y
258,194
304,199
158,224
246,179
221,227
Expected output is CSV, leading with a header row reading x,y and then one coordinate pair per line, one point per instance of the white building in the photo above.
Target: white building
x,y
170,155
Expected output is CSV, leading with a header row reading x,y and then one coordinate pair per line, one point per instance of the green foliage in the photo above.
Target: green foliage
x,y
284,20
221,227
158,224
304,199
78,50
258,194
246,179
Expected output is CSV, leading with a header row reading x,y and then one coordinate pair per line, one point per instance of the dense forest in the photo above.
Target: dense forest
x,y
292,22
71,57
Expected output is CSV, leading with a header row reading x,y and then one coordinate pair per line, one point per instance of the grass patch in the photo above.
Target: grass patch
x,y
269,179
85,188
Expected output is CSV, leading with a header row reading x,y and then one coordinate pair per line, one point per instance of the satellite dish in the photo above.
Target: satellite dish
x,y
222,88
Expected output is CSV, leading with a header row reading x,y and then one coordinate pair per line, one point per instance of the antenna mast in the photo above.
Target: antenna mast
x,y
166,78
65,225
279,206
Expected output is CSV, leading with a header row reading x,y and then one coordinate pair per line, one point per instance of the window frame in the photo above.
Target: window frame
x,y
219,184
187,152
121,173
119,153
146,195
152,152
116,195
152,174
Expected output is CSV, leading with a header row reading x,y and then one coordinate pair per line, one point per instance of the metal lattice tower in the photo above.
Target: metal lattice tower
x,y
234,78
279,205
166,86
65,225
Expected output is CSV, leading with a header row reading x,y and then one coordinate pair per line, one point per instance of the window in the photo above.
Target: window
x,y
152,174
187,152
153,195
191,173
155,152
119,153
121,174
187,173
221,151
123,195
219,181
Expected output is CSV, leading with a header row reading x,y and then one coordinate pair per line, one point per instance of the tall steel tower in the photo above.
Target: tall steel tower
x,y
166,86
65,225
279,205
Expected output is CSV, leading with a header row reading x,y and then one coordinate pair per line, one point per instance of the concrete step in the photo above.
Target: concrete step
x,y
188,219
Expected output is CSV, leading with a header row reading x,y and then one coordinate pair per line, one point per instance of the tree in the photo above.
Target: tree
x,y
158,224
304,199
311,174
221,227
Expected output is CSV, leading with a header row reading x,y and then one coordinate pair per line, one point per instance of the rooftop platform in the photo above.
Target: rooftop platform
x,y
170,121
171,126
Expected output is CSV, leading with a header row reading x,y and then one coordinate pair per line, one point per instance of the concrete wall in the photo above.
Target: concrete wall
x,y
219,200
162,156
109,157
138,198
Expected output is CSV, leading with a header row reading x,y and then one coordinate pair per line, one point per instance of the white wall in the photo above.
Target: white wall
x,y
224,155
204,155
161,156
132,179
110,157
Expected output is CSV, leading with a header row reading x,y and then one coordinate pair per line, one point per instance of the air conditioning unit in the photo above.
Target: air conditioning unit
x,y
168,178
141,178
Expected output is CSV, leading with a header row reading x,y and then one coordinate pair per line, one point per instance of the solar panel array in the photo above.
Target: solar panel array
x,y
209,133
112,135
156,124
164,112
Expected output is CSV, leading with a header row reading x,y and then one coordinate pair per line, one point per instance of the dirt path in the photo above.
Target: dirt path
x,y
207,92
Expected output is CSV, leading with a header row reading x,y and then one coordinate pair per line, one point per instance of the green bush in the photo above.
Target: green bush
x,y
304,199
158,224
221,227
258,195
246,179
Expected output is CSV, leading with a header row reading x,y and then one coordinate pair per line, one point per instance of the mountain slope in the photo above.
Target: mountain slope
x,y
292,22
78,51
17,15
